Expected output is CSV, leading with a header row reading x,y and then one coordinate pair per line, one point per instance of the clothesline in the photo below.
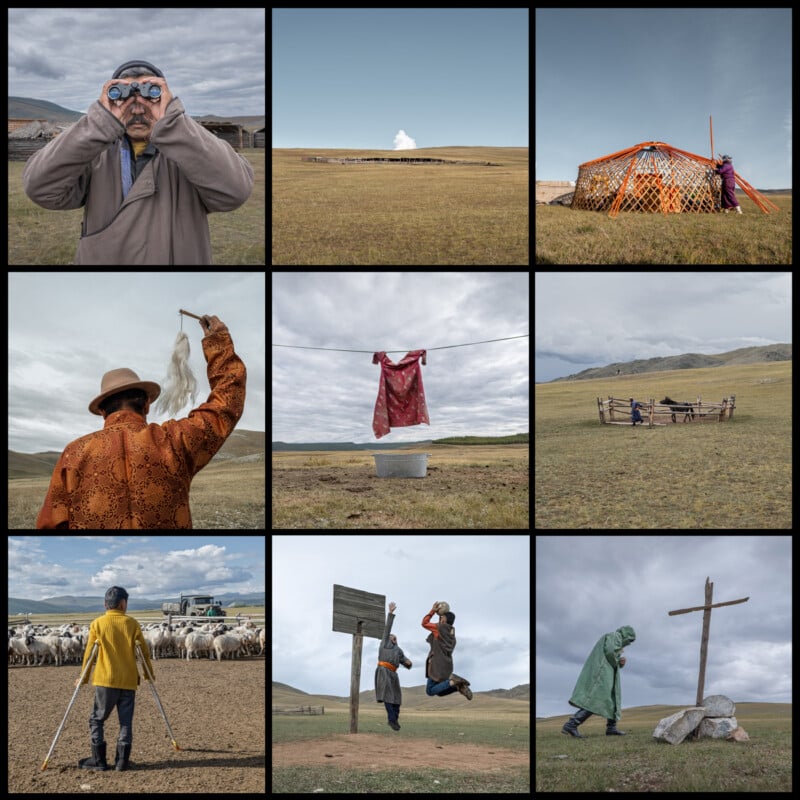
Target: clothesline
x,y
406,350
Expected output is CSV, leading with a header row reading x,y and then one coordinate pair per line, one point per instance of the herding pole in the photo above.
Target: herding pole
x,y
71,703
150,679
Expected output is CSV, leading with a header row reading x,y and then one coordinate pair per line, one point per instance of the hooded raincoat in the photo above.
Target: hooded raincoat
x,y
598,689
163,218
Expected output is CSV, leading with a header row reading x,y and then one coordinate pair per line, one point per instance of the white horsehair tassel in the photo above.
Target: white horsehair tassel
x,y
180,384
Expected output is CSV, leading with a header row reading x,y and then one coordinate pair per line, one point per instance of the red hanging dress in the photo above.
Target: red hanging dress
x,y
401,396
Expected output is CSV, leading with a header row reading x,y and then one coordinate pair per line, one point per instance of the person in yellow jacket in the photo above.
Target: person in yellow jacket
x,y
116,678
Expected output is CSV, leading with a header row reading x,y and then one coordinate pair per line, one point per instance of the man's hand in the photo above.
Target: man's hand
x,y
146,109
212,324
392,607
78,682
159,107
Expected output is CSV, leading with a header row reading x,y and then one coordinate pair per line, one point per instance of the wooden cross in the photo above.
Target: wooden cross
x,y
706,609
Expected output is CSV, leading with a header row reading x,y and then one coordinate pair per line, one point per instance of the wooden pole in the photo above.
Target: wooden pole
x,y
711,134
188,314
701,678
355,678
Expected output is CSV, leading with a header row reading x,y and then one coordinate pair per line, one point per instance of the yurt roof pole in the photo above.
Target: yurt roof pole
x,y
711,134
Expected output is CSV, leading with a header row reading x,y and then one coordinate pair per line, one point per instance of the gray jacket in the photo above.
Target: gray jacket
x,y
163,220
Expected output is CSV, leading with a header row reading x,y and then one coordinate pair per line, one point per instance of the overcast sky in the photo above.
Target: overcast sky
x,y
146,566
68,328
330,397
587,586
213,59
486,580
593,319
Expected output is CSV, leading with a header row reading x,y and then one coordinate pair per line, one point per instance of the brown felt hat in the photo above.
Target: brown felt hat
x,y
120,380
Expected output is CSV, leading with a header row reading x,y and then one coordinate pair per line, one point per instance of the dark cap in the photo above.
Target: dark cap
x,y
137,63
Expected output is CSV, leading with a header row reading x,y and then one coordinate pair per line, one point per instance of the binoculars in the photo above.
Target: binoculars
x,y
122,91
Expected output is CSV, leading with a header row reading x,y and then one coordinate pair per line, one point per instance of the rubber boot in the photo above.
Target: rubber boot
x,y
611,729
122,761
578,718
98,760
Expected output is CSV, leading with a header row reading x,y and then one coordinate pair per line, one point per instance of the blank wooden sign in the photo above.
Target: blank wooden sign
x,y
352,605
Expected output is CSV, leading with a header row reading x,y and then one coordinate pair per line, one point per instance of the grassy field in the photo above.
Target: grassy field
x,y
443,747
332,214
469,486
564,236
735,474
638,763
222,496
38,236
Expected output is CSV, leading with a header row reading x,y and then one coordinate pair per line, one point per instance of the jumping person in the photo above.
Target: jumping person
x,y
598,689
116,678
439,664
387,684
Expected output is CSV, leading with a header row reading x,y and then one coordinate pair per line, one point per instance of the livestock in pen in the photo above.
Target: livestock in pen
x,y
36,645
617,411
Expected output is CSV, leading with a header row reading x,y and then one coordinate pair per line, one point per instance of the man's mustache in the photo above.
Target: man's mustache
x,y
138,119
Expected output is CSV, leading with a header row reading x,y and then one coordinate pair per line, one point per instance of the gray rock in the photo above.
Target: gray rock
x,y
674,729
717,727
717,705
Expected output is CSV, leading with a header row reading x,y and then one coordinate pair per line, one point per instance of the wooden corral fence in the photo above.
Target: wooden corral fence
x,y
616,411
403,160
313,710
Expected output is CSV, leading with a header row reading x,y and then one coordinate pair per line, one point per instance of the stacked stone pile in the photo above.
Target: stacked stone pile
x,y
715,719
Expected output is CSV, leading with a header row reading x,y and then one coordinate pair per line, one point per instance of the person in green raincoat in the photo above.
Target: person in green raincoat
x,y
598,690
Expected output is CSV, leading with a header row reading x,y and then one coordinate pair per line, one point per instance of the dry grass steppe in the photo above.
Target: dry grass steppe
x,y
638,763
735,474
350,214
567,236
473,486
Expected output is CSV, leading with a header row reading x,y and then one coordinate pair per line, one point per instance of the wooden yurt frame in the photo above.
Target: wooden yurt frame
x,y
703,411
653,177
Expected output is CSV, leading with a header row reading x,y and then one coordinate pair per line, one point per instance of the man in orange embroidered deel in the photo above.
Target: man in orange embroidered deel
x,y
135,475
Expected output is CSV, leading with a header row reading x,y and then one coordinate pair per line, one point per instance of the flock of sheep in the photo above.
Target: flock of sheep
x,y
37,644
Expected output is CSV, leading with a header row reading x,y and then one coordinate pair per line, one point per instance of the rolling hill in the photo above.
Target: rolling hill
x,y
744,355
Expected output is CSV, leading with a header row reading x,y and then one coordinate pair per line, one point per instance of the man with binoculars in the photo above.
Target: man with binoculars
x,y
146,173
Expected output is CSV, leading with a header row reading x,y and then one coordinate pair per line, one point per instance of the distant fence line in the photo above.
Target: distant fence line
x,y
412,160
312,710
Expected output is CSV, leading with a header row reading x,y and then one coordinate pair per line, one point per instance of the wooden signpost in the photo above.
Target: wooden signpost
x,y
361,614
706,609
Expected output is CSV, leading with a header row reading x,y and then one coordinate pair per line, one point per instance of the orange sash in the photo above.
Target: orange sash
x,y
386,664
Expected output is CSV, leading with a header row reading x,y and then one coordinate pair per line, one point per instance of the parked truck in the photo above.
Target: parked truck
x,y
195,605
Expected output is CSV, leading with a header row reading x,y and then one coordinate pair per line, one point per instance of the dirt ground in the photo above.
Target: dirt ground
x,y
216,711
369,751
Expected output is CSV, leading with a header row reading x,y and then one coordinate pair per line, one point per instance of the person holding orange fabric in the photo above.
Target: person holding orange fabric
x,y
387,684
135,475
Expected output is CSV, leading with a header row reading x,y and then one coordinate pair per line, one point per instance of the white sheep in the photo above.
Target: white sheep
x,y
199,643
227,643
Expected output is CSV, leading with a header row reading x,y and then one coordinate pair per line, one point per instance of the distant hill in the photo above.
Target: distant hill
x,y
30,108
241,446
516,438
744,355
413,696
71,604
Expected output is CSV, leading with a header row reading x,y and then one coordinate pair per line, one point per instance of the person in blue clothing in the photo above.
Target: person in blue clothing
x,y
635,415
